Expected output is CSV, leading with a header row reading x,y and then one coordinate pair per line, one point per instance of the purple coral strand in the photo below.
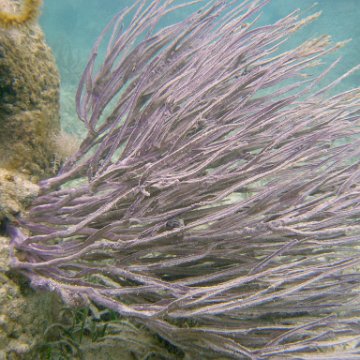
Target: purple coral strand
x,y
209,188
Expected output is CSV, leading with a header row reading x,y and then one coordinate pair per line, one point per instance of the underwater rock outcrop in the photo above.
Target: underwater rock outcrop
x,y
29,119
29,97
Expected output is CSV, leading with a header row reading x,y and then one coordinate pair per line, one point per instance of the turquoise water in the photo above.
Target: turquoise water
x,y
72,26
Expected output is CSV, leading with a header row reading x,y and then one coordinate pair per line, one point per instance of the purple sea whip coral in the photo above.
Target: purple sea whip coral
x,y
215,198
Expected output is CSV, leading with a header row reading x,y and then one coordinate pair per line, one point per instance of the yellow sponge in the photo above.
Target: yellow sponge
x,y
28,12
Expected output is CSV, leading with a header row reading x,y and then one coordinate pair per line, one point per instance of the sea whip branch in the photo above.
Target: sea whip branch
x,y
215,198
